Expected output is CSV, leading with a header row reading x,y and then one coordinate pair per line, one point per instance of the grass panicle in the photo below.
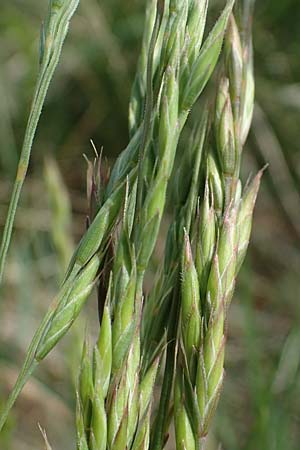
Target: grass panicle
x,y
180,322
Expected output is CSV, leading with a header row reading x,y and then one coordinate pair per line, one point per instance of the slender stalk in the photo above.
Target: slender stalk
x,y
52,39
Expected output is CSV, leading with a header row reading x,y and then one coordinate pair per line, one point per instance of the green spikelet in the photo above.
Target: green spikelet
x,y
86,386
103,353
245,217
81,440
206,240
68,310
139,87
190,305
185,439
206,60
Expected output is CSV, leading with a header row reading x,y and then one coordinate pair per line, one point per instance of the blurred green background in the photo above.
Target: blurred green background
x,y
88,99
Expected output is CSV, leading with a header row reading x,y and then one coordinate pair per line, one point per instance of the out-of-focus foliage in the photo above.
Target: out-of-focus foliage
x,y
89,99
